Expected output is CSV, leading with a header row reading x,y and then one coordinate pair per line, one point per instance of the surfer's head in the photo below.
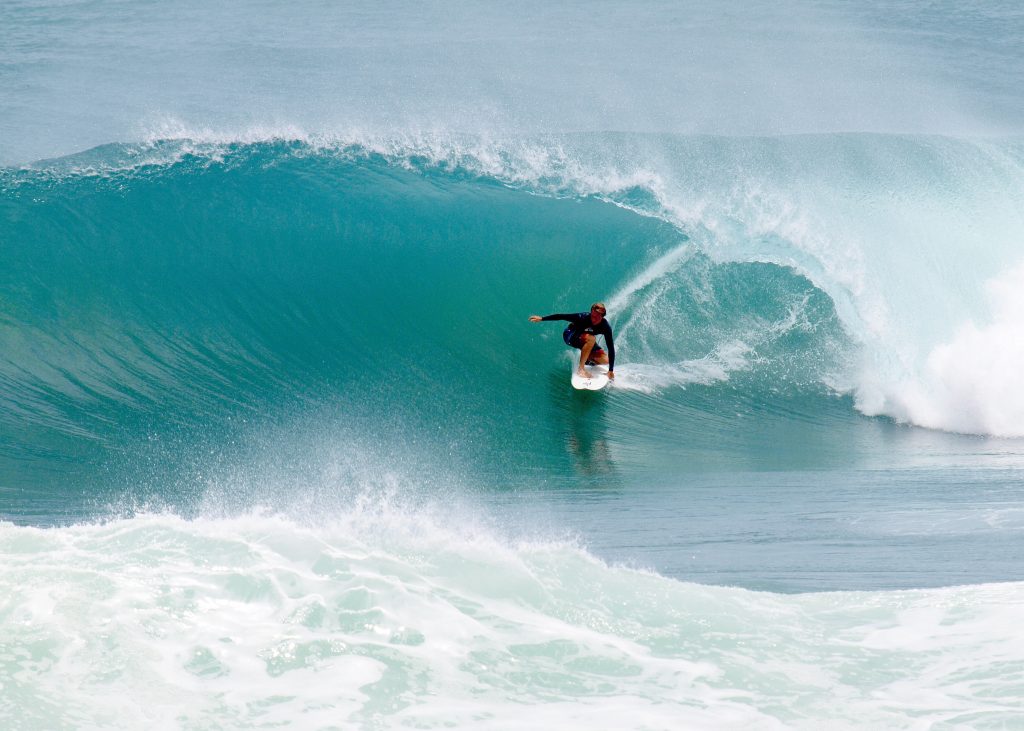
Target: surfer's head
x,y
597,311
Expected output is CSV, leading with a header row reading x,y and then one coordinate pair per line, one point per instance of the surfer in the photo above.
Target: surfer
x,y
584,327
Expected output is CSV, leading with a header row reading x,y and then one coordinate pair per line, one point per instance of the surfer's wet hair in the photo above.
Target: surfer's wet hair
x,y
599,306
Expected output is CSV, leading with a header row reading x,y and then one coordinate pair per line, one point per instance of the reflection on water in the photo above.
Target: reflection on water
x,y
583,427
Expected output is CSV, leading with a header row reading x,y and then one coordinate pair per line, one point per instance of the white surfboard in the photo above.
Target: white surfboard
x,y
598,378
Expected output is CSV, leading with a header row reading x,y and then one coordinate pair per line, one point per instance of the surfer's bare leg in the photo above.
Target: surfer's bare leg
x,y
588,345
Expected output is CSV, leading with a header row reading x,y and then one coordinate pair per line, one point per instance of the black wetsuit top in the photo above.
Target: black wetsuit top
x,y
579,322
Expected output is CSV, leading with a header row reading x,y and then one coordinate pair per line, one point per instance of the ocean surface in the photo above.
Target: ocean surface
x,y
279,447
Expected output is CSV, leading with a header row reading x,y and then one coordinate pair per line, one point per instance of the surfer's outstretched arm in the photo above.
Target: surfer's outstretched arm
x,y
568,317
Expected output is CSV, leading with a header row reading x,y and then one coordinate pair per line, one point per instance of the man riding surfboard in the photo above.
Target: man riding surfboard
x,y
584,327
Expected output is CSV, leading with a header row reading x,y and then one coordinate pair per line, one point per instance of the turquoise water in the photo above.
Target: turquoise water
x,y
279,446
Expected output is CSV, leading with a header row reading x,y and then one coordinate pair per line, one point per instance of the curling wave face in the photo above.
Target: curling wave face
x,y
206,278
175,298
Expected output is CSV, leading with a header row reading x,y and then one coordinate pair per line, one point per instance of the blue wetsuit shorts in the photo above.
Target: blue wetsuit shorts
x,y
572,339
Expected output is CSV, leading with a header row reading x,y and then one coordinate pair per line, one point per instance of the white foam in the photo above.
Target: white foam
x,y
973,382
256,619
728,358
915,242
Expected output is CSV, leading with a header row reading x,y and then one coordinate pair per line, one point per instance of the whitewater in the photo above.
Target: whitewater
x,y
280,448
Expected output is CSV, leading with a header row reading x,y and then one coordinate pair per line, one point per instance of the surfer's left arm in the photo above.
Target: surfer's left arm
x,y
610,342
